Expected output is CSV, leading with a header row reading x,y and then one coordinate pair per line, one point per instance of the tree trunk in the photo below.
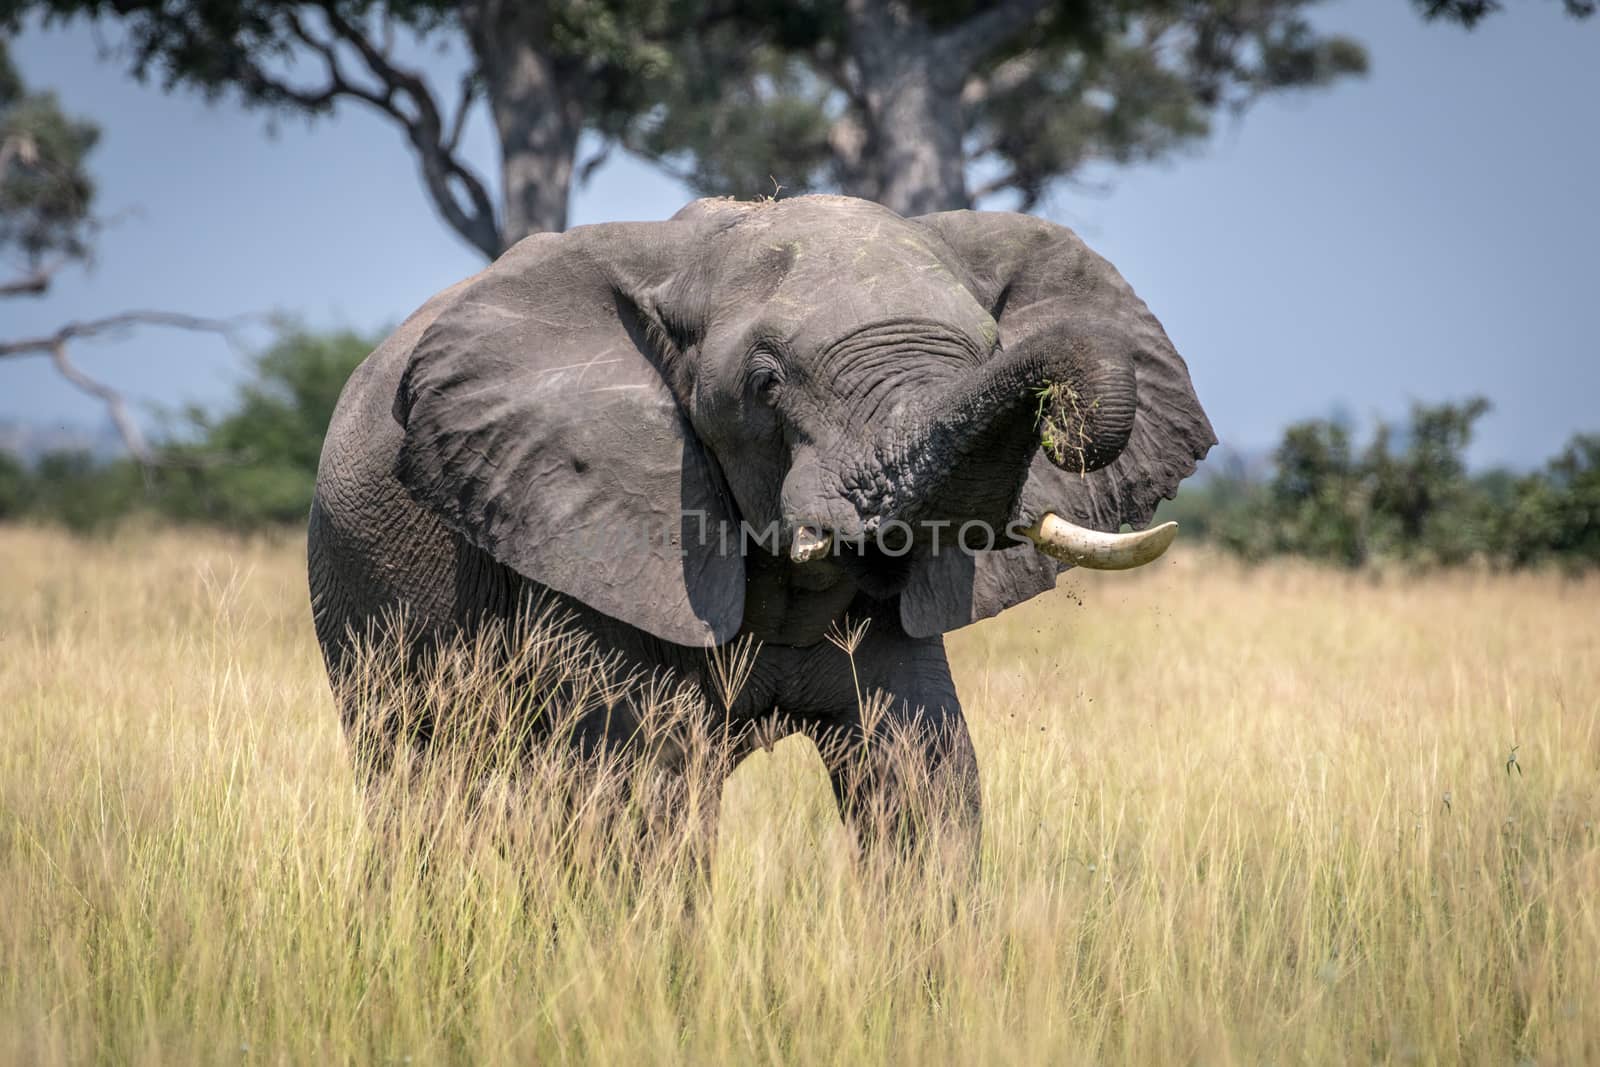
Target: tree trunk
x,y
911,91
537,105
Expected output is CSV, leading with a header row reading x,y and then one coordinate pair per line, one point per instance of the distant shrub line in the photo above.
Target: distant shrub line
x,y
249,468
1404,495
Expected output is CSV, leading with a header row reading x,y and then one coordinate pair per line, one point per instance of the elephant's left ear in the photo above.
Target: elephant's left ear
x,y
539,424
1040,281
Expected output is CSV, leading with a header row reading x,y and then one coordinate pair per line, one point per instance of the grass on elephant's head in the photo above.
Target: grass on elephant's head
x,y
1231,817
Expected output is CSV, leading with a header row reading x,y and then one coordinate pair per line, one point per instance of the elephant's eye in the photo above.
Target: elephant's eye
x,y
764,384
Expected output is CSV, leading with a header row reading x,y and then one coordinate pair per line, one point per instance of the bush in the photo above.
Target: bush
x,y
257,464
14,485
84,494
251,467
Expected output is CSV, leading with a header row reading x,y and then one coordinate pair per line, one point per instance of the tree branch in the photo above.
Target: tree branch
x,y
1008,77
116,406
469,95
971,40
55,346
228,328
402,95
587,169
426,128
36,282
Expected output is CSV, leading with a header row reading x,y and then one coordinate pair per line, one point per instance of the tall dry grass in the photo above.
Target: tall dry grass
x,y
1231,817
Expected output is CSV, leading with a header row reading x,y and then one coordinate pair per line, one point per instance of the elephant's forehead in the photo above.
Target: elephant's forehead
x,y
869,277
849,239
848,257
822,266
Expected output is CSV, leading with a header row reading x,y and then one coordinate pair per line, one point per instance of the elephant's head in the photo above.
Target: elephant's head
x,y
601,410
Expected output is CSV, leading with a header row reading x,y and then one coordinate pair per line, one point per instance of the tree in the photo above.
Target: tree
x,y
1318,495
1555,514
1575,474
75,490
895,100
47,221
1421,492
927,105
545,71
55,345
45,190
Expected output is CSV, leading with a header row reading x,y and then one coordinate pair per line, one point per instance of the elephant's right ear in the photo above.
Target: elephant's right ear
x,y
540,426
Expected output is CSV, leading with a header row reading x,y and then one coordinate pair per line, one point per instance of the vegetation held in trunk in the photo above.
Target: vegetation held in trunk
x,y
1064,426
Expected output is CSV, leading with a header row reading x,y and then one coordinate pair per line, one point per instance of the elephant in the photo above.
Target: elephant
x,y
911,424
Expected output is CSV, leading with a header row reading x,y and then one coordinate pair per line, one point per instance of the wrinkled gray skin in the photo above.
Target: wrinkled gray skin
x,y
815,360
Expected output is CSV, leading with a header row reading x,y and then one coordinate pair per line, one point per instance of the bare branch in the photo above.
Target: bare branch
x,y
228,328
55,346
469,95
132,436
587,169
404,96
441,169
36,282
338,84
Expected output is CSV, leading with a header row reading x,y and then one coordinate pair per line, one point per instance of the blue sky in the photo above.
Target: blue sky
x,y
1428,233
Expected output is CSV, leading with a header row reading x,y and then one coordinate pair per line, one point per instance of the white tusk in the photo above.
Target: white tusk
x,y
1060,539
809,543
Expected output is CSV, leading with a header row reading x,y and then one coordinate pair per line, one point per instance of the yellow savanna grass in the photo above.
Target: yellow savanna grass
x,y
1231,817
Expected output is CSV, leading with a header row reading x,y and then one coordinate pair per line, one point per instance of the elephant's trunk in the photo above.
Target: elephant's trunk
x,y
963,454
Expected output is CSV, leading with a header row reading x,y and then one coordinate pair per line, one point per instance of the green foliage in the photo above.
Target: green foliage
x,y
82,493
1556,514
737,135
1143,83
729,97
1470,12
1090,82
45,192
257,463
226,47
1407,496
1412,489
250,467
1317,494
14,485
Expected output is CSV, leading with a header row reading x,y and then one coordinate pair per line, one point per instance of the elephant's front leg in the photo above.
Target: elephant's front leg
x,y
894,740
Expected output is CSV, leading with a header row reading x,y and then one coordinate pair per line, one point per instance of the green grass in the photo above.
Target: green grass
x,y
1216,832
